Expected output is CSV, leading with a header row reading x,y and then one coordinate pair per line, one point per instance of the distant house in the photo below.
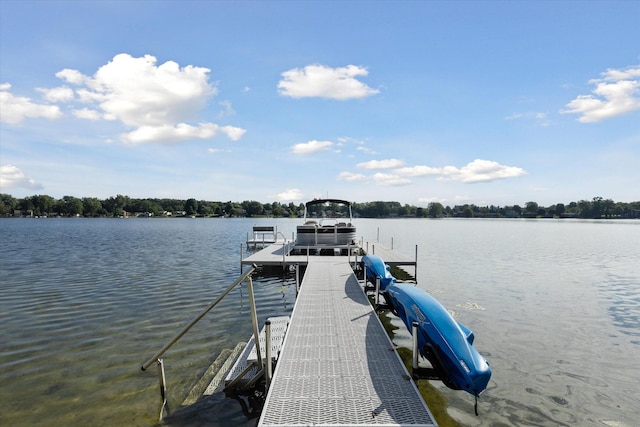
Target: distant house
x,y
23,214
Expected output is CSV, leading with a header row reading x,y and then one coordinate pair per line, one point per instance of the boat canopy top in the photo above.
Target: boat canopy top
x,y
323,201
315,202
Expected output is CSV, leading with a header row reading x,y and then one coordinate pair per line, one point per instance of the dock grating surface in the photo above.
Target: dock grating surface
x,y
337,365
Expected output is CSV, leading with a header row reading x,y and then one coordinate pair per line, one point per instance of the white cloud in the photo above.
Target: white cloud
x,y
311,147
217,150
290,195
72,76
15,109
476,171
390,179
325,82
541,118
227,109
514,116
615,94
86,113
381,164
158,101
352,177
480,171
12,177
366,150
232,132
179,132
57,94
419,170
612,75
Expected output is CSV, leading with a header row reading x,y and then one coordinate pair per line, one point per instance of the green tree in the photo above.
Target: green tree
x,y
277,210
435,209
517,209
115,205
608,207
144,206
584,209
229,209
69,206
531,208
91,206
252,207
597,207
204,208
8,204
191,206
42,204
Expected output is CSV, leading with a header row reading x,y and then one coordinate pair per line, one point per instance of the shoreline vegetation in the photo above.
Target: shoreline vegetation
x,y
124,206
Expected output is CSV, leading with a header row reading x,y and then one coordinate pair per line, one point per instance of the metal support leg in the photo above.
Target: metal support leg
x,y
163,389
254,319
414,333
267,346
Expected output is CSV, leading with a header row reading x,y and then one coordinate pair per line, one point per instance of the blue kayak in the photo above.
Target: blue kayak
x,y
443,341
375,268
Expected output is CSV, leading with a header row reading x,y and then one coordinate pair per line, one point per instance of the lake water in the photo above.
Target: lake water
x,y
555,307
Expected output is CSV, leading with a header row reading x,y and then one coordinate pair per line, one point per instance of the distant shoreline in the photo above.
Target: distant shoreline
x,y
124,206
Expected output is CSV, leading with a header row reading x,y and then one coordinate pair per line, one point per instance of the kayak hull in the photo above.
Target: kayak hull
x,y
376,268
444,342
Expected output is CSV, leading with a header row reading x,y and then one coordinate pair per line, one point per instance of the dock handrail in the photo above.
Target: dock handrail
x,y
195,320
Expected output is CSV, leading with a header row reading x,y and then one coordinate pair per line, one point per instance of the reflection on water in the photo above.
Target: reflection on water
x,y
624,298
555,307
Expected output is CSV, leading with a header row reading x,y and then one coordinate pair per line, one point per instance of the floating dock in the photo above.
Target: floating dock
x,y
337,365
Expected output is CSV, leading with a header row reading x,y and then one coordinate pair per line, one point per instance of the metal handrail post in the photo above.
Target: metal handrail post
x,y
267,346
163,388
195,320
254,319
377,290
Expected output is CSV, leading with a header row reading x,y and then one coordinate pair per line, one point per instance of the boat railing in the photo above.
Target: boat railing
x,y
156,358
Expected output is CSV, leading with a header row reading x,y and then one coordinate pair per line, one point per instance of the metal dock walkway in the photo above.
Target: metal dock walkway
x,y
279,254
337,365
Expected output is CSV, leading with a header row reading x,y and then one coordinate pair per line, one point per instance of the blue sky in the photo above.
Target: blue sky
x,y
454,102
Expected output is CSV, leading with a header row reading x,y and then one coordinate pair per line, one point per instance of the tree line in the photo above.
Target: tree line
x,y
119,205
